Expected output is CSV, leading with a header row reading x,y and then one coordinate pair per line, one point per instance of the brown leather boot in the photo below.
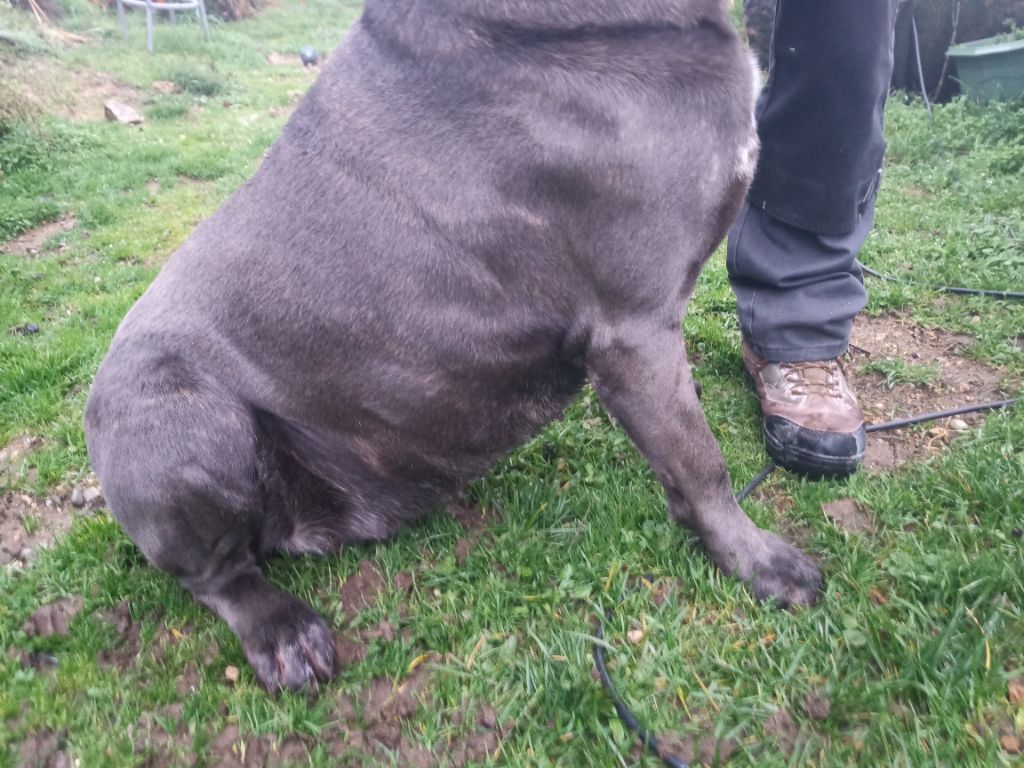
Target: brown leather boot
x,y
810,417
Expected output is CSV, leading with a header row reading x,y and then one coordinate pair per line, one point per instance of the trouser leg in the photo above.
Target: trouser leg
x,y
797,292
792,252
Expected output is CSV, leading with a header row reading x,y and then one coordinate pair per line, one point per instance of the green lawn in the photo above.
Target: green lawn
x,y
485,632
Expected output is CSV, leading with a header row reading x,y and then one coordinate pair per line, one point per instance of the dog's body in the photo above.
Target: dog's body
x,y
477,207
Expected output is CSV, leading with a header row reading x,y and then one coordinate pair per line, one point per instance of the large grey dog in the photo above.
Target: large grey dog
x,y
478,206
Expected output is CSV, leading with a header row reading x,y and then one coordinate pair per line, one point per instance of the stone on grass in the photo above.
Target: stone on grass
x,y
120,112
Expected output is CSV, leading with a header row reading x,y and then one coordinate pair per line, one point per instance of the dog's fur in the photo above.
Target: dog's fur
x,y
478,206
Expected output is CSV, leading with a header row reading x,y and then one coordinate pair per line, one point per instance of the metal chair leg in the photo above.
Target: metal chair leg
x,y
201,10
149,26
121,19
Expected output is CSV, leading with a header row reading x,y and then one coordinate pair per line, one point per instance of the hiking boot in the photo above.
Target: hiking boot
x,y
810,417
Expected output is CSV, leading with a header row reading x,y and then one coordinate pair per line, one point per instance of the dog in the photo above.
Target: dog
x,y
478,207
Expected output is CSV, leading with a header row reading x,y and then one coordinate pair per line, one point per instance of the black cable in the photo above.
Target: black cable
x,y
759,478
1015,295
626,715
938,415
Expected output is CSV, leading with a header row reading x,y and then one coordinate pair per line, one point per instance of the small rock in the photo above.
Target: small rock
x,y
1010,742
959,425
1015,691
121,113
636,636
26,554
31,328
78,497
308,56
231,674
91,494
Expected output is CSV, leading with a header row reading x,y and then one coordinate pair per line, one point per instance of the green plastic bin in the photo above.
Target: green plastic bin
x,y
992,68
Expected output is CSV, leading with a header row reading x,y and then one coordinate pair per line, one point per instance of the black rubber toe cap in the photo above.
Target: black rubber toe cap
x,y
810,452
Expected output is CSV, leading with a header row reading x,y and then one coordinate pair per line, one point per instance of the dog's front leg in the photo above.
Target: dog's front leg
x,y
639,369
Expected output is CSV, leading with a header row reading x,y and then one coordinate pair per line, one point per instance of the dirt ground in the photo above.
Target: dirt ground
x,y
960,381
77,96
30,243
28,522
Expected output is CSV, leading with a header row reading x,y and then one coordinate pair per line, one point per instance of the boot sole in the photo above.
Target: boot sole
x,y
803,461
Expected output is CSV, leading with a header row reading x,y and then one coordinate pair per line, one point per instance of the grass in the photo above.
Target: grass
x,y
896,371
914,643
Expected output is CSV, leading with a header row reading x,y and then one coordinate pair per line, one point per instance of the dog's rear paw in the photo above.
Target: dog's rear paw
x,y
291,650
786,575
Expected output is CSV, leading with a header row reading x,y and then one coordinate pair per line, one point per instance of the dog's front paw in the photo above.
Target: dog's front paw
x,y
785,574
292,649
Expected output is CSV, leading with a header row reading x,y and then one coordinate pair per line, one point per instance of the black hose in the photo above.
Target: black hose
x,y
625,714
1015,295
938,415
759,478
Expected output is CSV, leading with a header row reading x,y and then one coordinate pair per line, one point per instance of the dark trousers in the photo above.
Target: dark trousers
x,y
792,254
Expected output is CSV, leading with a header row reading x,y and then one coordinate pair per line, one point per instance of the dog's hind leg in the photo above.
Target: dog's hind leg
x,y
181,472
640,371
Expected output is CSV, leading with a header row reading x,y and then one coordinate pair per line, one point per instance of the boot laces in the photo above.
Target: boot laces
x,y
825,384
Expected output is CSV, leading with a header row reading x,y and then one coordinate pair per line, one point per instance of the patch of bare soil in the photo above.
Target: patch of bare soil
x,y
189,680
694,742
91,90
351,648
475,521
162,737
373,728
125,649
783,730
481,741
958,381
850,515
28,523
362,589
376,730
77,96
45,749
706,750
53,618
818,706
231,750
31,243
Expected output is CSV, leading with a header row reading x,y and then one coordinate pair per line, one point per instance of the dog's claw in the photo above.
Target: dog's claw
x,y
786,575
291,651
